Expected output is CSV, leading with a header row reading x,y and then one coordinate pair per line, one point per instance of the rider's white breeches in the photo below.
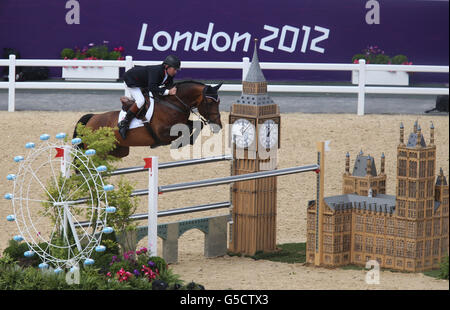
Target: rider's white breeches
x,y
136,94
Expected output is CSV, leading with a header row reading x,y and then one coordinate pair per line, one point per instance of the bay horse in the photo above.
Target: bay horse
x,y
168,111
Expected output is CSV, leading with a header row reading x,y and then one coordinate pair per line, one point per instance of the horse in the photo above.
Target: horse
x,y
168,111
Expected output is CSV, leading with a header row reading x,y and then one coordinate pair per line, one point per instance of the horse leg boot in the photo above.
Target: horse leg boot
x,y
124,124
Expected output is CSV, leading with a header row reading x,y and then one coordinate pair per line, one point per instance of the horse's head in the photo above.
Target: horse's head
x,y
209,107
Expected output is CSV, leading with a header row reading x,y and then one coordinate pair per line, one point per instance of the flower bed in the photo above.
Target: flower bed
x,y
92,52
134,271
374,55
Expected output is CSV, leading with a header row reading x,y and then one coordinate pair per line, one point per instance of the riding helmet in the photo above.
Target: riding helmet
x,y
172,61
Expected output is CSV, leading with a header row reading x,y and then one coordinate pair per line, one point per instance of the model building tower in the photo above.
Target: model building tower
x,y
255,120
408,231
364,180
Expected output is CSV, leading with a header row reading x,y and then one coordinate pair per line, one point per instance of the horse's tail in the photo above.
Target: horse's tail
x,y
83,120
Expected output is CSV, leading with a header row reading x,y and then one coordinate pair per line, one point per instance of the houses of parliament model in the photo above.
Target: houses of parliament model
x,y
408,231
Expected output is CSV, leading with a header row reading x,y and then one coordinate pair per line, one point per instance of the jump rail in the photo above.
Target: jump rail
x,y
154,190
185,210
173,164
361,89
228,180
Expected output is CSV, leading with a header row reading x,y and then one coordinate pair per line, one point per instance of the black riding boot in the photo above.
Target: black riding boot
x,y
124,124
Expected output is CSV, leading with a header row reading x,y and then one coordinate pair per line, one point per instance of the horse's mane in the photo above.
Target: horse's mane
x,y
186,85
209,90
188,82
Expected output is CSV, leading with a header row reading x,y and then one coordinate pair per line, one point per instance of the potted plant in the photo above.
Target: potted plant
x,y
92,52
374,55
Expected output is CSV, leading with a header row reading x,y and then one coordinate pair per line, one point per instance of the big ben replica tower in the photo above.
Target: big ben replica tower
x,y
255,128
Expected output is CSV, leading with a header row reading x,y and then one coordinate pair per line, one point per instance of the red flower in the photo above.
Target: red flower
x,y
123,275
149,272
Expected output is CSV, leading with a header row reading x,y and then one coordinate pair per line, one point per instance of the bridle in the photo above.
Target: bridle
x,y
207,120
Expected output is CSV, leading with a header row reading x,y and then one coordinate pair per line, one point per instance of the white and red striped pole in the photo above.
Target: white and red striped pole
x,y
152,164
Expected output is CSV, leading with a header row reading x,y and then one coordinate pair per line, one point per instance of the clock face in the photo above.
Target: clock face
x,y
243,133
268,134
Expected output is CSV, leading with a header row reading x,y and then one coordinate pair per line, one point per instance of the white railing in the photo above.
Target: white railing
x,y
361,89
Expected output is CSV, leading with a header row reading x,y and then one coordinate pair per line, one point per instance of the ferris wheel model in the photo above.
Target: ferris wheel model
x,y
59,203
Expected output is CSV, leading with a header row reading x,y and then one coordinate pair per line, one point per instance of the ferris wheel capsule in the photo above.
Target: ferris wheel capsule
x,y
110,210
100,248
44,137
57,270
90,152
29,145
89,261
43,266
101,168
108,188
76,141
18,158
10,218
8,196
61,136
28,254
18,238
11,177
108,230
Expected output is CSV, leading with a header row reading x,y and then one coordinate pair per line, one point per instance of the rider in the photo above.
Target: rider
x,y
158,79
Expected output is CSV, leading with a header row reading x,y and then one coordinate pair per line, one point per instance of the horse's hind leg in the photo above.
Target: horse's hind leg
x,y
120,151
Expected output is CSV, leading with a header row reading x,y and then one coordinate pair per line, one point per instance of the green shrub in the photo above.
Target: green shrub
x,y
99,52
15,251
68,53
357,57
125,206
444,268
159,262
114,55
382,59
399,60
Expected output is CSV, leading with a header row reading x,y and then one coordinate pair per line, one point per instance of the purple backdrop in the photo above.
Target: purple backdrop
x,y
318,31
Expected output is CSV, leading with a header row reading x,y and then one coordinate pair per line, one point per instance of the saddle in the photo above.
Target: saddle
x,y
128,102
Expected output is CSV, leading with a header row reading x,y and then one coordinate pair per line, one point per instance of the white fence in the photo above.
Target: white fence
x,y
361,89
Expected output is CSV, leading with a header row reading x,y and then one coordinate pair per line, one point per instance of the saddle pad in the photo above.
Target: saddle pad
x,y
135,123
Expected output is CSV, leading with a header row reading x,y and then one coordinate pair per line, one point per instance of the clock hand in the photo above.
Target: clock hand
x,y
247,127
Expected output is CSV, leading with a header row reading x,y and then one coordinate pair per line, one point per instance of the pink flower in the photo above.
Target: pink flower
x,y
149,272
123,275
141,250
121,49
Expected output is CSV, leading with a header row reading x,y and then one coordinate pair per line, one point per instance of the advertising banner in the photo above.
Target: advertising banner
x,y
308,31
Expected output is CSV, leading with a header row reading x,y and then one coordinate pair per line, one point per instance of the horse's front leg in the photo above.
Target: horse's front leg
x,y
120,151
198,126
187,135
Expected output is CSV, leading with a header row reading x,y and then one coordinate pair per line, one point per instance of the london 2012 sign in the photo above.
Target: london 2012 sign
x,y
287,38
